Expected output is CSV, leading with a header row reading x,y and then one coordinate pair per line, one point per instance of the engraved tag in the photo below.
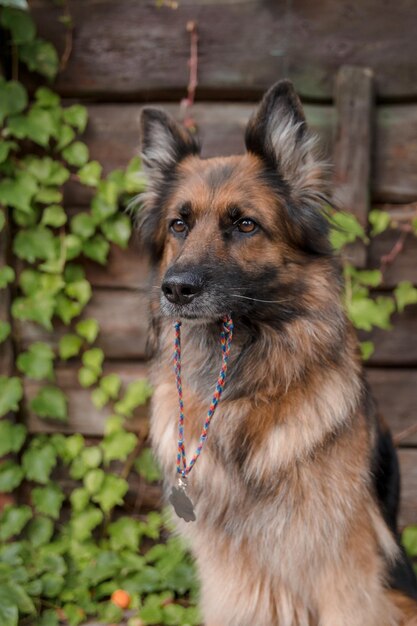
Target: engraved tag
x,y
182,504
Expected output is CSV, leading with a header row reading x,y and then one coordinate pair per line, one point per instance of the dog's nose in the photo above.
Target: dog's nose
x,y
182,288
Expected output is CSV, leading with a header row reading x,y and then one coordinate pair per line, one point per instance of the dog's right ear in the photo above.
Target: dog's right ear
x,y
164,144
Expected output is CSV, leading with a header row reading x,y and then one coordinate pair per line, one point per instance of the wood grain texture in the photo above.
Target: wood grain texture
x,y
133,49
408,465
398,346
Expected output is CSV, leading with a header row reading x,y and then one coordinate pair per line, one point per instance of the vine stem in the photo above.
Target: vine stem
x,y
397,248
15,62
187,103
69,37
403,434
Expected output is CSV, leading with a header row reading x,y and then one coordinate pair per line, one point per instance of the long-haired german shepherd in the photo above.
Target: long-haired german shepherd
x,y
296,491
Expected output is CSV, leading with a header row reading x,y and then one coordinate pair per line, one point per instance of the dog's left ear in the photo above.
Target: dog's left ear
x,y
278,134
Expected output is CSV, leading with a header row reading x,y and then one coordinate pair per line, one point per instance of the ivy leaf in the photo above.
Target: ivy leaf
x,y
38,462
38,125
9,613
37,362
46,97
48,195
73,246
80,290
409,540
19,23
88,329
50,402
405,293
16,4
111,384
7,276
46,170
367,349
18,192
5,330
76,154
111,493
69,346
118,230
73,446
79,499
11,475
97,249
67,309
366,313
84,523
124,533
65,136
34,243
54,216
38,307
76,115
2,220
90,174
345,229
93,359
118,446
87,377
137,393
370,278
13,98
147,467
104,204
40,531
40,56
13,519
48,500
83,225
93,480
5,148
11,393
12,437
99,398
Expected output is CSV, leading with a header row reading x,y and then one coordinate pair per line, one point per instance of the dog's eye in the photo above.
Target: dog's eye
x,y
178,226
246,225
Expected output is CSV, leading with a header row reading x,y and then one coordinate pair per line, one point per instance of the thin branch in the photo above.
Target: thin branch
x,y
187,103
404,434
69,36
398,247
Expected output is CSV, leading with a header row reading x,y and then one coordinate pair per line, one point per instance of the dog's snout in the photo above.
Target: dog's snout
x,y
182,288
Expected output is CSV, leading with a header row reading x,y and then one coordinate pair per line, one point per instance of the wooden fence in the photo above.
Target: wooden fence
x,y
129,52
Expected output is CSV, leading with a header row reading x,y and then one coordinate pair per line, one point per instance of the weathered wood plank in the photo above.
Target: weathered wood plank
x,y
398,346
132,49
6,347
408,465
352,148
113,138
83,416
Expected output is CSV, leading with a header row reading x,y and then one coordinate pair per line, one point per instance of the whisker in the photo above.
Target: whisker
x,y
238,295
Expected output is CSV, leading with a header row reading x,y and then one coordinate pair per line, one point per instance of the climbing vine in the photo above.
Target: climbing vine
x,y
67,554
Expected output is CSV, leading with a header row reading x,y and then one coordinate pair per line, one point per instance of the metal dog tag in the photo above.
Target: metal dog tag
x,y
182,504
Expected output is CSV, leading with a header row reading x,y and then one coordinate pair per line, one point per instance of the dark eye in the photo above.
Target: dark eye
x,y
178,226
246,225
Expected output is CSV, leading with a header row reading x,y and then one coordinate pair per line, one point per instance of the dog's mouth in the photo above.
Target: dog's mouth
x,y
201,309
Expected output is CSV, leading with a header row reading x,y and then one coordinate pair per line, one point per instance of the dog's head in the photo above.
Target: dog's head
x,y
235,234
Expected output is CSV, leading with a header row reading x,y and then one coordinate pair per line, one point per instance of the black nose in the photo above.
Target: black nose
x,y
181,288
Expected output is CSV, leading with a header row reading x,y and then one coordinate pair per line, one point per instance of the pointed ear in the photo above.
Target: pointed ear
x,y
164,144
278,134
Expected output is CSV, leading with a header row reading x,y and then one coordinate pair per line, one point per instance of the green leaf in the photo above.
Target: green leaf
x,y
379,220
11,475
67,309
69,346
48,500
52,584
13,99
74,444
65,136
124,533
87,377
137,394
16,4
93,359
13,519
405,293
48,195
93,480
366,313
50,402
88,329
46,170
97,249
76,115
38,125
5,330
48,618
111,384
19,23
73,272
147,466
9,613
79,290
40,531
83,225
7,276
54,216
73,246
38,307
46,97
99,398
37,362
367,349
12,437
5,148
345,229
111,493
11,392
34,243
38,462
40,56
83,523
118,446
76,153
409,540
118,230
370,278
79,499
18,192
90,174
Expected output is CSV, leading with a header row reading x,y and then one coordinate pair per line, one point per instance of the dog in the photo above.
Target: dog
x,y
296,490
